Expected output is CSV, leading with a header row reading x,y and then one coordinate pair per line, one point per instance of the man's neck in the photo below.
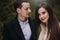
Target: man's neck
x,y
22,19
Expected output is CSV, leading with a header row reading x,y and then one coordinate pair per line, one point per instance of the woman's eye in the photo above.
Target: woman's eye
x,y
43,12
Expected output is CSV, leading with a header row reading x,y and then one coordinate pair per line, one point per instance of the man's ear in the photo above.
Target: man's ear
x,y
18,10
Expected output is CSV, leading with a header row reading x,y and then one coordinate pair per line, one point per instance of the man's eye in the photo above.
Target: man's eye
x,y
26,9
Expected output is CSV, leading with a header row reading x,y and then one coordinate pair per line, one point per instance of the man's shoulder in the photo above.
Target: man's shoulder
x,y
31,20
10,22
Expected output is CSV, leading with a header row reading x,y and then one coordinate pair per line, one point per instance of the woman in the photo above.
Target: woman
x,y
48,25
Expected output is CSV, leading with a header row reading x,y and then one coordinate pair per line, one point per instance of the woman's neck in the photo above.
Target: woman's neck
x,y
44,25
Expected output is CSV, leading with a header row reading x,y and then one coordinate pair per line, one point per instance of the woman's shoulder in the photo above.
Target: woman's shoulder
x,y
59,26
59,29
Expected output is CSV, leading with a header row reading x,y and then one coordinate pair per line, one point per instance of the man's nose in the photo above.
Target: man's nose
x,y
29,10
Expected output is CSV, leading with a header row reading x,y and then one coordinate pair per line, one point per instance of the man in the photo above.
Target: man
x,y
20,28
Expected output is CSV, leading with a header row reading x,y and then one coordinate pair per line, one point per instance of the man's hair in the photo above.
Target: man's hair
x,y
18,3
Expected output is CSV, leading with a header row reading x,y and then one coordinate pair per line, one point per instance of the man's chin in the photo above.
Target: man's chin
x,y
27,16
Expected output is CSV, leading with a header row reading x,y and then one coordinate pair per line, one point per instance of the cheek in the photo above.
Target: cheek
x,y
46,15
23,12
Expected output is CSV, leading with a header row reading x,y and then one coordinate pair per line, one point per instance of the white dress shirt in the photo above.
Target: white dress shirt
x,y
25,29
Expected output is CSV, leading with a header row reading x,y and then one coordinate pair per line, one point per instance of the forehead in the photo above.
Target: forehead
x,y
41,9
25,4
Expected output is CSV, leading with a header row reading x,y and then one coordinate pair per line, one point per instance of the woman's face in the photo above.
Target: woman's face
x,y
43,15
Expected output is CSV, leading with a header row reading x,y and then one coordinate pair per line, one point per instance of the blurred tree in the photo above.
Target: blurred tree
x,y
6,9
6,12
56,7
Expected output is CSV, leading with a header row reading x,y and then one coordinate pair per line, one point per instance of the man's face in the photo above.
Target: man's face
x,y
25,10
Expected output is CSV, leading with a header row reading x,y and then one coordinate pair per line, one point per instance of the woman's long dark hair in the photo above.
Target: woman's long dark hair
x,y
52,21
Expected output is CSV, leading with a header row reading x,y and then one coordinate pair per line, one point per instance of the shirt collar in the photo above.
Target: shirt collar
x,y
22,23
